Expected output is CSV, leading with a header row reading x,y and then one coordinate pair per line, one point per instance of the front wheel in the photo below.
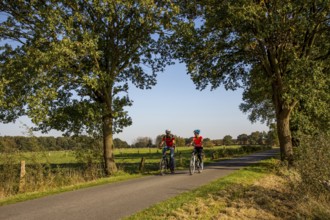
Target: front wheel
x,y
192,165
172,165
162,166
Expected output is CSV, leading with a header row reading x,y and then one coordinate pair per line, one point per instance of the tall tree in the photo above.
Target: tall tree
x,y
142,142
242,139
67,64
277,50
227,140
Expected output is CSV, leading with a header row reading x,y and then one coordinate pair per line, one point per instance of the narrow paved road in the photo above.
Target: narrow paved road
x,y
117,200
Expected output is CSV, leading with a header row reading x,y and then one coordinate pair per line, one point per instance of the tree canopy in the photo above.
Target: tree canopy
x,y
68,64
278,51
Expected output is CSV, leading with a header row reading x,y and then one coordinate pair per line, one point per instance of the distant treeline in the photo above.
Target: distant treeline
x,y
21,143
50,143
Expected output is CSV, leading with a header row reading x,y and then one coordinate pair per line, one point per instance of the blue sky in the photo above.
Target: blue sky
x,y
175,104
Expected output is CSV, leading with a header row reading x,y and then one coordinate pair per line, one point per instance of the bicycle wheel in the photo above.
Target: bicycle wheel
x,y
192,165
172,165
201,166
162,166
197,165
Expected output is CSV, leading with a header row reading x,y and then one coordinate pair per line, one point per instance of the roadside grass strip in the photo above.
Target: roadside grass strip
x,y
120,176
189,205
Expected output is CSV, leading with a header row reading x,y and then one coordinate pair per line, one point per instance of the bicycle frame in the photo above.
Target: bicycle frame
x,y
165,164
195,163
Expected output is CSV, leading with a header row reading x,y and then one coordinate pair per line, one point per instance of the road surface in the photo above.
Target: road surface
x,y
118,200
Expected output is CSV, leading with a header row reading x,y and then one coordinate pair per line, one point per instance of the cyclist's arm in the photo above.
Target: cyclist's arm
x,y
191,143
161,144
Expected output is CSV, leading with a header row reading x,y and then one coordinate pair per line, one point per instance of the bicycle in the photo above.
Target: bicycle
x,y
195,163
165,164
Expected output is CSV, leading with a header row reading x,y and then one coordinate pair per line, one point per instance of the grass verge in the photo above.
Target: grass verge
x,y
262,191
34,195
188,205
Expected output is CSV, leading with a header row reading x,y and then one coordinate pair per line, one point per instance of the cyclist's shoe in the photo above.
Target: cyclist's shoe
x,y
172,172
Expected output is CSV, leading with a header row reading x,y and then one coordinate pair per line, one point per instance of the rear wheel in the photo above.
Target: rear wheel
x,y
199,165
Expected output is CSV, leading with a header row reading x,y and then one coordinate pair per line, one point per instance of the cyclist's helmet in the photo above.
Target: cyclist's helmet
x,y
168,131
197,131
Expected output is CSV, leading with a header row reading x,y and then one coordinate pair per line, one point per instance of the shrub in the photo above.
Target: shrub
x,y
313,163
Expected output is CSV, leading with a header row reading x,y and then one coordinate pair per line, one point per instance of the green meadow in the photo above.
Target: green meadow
x,y
123,156
55,171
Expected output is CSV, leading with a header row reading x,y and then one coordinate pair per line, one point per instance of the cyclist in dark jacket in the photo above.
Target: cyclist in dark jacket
x,y
169,141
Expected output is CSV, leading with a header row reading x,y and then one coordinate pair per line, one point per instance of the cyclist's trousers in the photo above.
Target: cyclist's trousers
x,y
171,149
199,151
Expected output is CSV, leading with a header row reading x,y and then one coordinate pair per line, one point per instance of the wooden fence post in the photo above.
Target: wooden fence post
x,y
141,168
22,177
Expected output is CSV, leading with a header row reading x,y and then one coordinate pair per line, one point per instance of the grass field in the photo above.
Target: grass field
x,y
123,155
47,171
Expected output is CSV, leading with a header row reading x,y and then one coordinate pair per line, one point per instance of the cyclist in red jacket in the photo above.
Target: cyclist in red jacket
x,y
169,141
197,142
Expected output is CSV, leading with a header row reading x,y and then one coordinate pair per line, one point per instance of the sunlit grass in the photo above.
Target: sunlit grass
x,y
122,155
188,205
58,171
263,191
33,195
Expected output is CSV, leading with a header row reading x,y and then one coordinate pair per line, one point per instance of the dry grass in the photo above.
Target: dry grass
x,y
301,192
271,198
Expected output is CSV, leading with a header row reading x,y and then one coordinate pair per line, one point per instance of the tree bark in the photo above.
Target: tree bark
x,y
284,136
283,111
108,147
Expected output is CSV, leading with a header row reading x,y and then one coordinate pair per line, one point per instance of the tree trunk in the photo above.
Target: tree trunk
x,y
109,161
284,136
283,111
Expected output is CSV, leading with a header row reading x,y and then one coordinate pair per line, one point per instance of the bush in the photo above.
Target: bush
x,y
313,163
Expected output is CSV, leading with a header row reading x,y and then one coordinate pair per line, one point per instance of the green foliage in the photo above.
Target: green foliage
x,y
242,138
257,98
22,144
313,163
142,142
120,143
69,63
208,143
9,174
278,51
227,140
